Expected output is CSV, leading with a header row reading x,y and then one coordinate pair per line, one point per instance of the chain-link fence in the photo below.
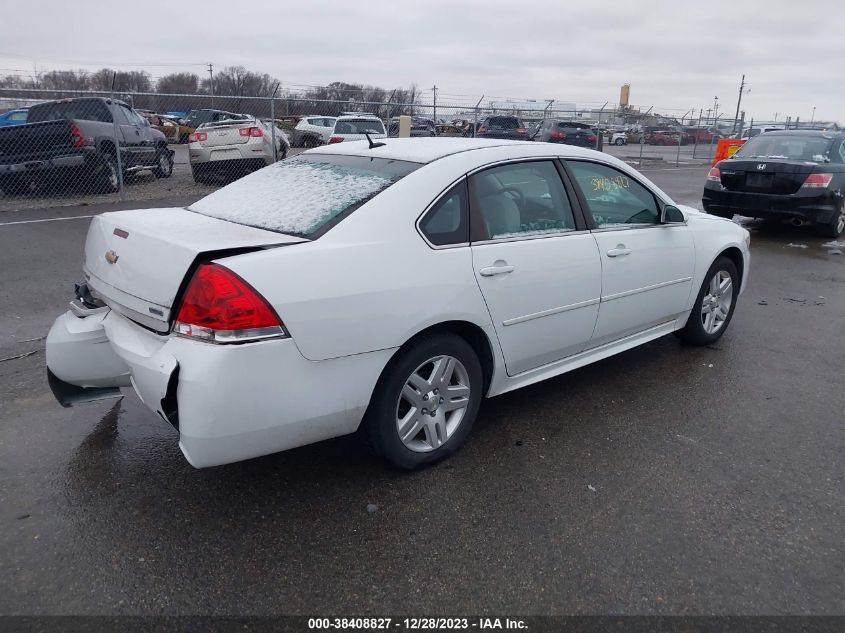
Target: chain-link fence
x,y
68,147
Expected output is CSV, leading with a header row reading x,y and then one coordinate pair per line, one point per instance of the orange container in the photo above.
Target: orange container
x,y
725,148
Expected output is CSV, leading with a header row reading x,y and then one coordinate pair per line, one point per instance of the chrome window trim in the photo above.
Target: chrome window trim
x,y
530,236
628,227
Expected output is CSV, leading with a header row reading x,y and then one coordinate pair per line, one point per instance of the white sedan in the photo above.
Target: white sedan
x,y
391,285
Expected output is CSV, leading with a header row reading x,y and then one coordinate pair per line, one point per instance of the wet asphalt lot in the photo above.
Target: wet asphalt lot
x,y
665,480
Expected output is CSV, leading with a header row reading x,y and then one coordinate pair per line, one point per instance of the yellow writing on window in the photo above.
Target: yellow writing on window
x,y
609,184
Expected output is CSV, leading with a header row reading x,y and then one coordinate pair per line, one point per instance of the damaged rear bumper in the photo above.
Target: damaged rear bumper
x,y
228,402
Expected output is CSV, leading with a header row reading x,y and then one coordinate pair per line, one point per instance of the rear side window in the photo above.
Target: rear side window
x,y
305,195
518,200
447,222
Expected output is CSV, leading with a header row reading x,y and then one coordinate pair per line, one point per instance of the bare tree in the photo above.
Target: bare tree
x,y
179,83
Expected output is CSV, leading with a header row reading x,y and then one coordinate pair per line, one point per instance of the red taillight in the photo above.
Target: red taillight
x,y
817,181
196,137
520,130
220,307
714,175
592,138
335,139
556,134
481,130
257,132
76,134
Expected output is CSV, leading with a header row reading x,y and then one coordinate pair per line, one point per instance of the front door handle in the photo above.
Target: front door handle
x,y
618,251
499,268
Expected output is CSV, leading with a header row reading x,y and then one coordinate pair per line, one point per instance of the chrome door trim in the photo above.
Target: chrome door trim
x,y
551,311
628,293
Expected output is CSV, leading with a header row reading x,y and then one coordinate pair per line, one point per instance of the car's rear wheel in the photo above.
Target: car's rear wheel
x,y
714,305
14,186
619,141
425,402
199,174
108,179
836,226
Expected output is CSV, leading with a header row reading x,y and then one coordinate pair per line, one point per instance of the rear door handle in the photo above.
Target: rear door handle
x,y
500,269
618,251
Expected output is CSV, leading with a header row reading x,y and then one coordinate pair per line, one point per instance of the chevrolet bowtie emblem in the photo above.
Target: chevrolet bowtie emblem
x,y
112,257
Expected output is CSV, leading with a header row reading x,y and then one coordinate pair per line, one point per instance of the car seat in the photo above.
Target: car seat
x,y
500,213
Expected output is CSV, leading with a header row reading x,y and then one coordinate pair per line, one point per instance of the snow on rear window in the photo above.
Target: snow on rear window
x,y
297,196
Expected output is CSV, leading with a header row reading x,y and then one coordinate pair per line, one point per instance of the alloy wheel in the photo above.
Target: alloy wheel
x,y
432,403
717,301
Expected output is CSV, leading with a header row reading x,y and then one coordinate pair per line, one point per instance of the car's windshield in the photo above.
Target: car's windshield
x,y
359,126
305,195
81,109
790,146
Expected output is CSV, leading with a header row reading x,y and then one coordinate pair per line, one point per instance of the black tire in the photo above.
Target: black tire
x,y
200,175
380,421
14,186
836,226
164,163
694,332
619,141
106,176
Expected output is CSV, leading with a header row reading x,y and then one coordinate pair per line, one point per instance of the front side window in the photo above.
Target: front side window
x,y
303,196
519,199
613,198
447,222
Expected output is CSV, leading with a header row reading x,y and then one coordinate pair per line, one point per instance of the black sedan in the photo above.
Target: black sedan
x,y
792,175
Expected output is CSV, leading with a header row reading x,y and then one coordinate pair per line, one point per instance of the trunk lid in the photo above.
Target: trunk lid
x,y
136,261
226,133
765,175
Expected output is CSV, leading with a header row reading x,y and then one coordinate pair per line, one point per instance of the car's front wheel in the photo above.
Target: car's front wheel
x,y
425,402
714,305
163,167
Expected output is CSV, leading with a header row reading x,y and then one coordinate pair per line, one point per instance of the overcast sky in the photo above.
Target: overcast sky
x,y
676,55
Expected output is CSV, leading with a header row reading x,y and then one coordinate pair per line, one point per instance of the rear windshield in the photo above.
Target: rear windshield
x,y
303,196
359,126
814,149
82,109
506,122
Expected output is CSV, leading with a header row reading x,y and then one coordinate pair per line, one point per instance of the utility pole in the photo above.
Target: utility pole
x,y
738,101
434,88
813,117
715,107
211,83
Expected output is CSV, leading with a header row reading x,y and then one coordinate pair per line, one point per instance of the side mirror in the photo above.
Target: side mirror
x,y
671,215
